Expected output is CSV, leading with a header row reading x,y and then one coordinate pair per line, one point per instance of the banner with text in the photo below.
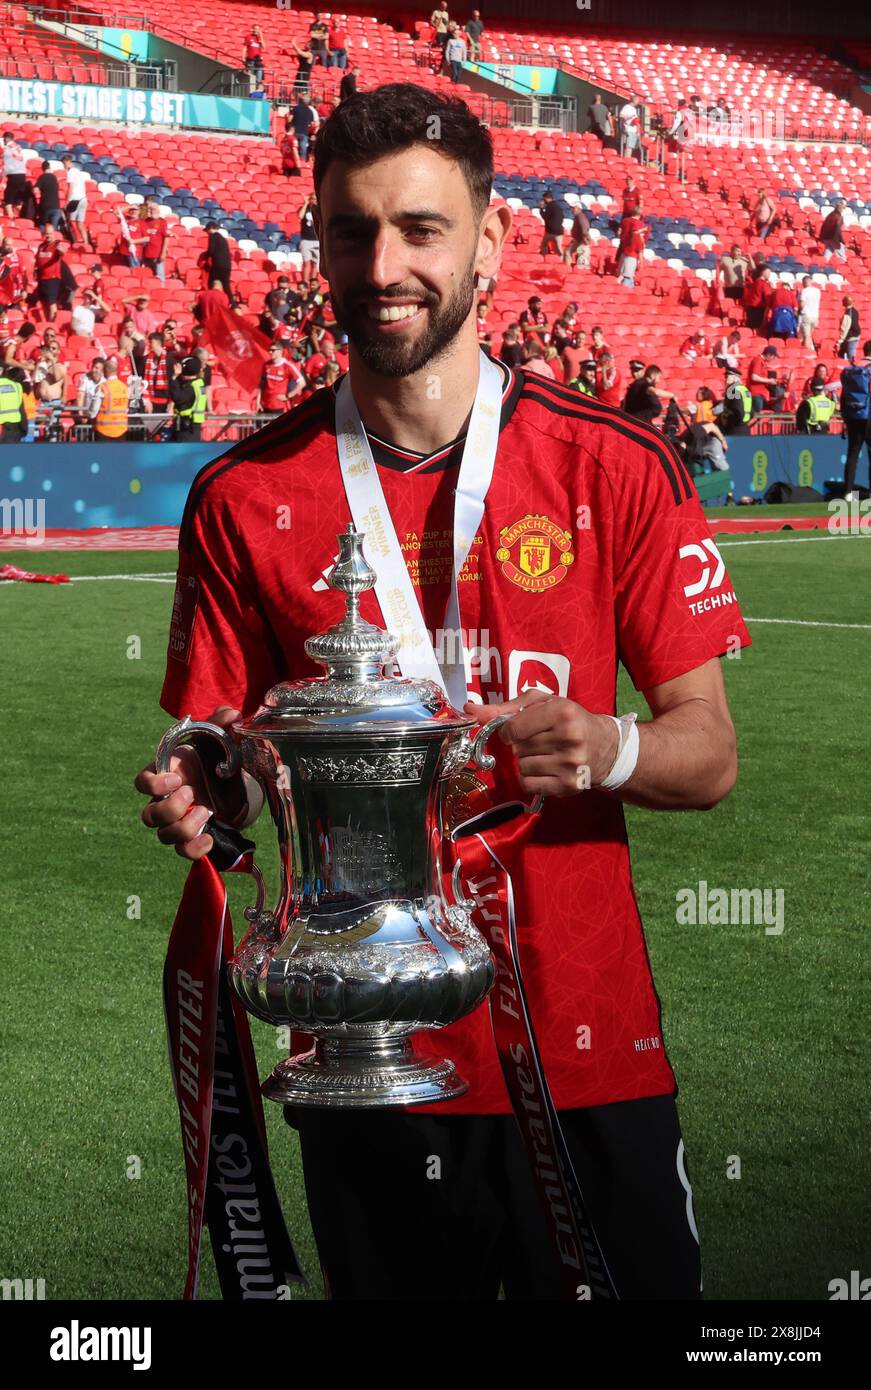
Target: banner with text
x,y
133,106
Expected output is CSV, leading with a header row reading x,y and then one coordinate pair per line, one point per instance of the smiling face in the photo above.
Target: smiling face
x,y
400,247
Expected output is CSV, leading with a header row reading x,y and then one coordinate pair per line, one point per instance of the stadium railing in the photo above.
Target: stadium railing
x,y
54,424
63,425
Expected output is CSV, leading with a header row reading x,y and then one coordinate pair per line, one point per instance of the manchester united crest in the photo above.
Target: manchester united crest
x,y
535,553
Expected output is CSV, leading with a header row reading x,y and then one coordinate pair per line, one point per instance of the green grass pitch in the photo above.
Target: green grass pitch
x,y
765,1032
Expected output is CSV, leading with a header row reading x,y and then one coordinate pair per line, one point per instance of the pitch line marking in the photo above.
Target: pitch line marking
x,y
155,577
809,622
790,540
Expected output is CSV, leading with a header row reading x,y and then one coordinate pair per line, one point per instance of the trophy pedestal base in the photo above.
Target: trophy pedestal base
x,y
362,1074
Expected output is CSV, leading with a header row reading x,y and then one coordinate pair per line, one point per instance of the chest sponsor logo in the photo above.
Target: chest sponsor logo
x,y
545,671
535,553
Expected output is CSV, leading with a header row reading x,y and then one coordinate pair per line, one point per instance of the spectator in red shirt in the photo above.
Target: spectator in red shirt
x,y
552,360
631,198
608,384
757,292
695,346
338,43
599,346
782,297
207,300
47,268
252,53
151,235
533,322
315,368
279,330
290,166
131,344
13,279
15,345
281,382
574,352
762,380
157,371
629,226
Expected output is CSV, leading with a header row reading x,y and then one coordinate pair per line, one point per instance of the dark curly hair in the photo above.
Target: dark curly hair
x,y
370,125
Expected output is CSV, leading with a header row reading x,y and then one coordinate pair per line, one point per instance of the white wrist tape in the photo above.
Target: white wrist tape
x,y
627,752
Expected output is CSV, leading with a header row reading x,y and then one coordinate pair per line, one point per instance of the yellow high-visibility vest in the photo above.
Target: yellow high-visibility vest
x,y
820,410
196,411
11,398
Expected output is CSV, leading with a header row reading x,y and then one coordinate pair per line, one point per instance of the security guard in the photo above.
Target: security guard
x,y
737,407
585,381
814,414
13,416
110,421
188,392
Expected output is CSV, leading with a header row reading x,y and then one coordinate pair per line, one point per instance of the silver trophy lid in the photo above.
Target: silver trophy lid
x,y
355,694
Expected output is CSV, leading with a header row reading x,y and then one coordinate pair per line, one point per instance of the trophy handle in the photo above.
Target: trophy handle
x,y
486,761
229,845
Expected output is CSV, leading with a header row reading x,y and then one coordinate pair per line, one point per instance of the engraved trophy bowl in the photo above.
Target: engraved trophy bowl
x,y
363,947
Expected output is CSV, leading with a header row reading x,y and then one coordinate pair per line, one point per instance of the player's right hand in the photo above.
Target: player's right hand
x,y
179,805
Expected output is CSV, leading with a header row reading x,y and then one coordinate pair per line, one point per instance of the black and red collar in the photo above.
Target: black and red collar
x,y
400,460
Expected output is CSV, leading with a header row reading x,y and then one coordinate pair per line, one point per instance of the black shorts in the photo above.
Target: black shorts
x,y
16,189
48,291
411,1206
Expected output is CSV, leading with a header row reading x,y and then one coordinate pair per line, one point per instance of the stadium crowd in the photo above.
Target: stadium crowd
x,y
149,367
151,380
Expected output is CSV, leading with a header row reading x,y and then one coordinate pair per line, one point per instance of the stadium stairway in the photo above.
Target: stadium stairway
x,y
28,51
382,52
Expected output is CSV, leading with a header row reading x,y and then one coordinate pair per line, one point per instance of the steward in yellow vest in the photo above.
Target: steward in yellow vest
x,y
13,417
188,391
815,414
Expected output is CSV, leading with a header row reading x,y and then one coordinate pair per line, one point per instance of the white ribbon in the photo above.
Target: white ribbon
x,y
370,513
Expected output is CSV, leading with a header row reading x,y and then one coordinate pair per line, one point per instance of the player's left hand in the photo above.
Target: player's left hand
x,y
561,747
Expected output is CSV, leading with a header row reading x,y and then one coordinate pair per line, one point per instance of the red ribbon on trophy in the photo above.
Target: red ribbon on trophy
x,y
229,1182
489,847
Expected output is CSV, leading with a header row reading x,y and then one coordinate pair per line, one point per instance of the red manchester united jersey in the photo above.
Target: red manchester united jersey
x,y
593,549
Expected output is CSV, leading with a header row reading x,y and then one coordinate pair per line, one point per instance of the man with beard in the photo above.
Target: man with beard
x,y
406,227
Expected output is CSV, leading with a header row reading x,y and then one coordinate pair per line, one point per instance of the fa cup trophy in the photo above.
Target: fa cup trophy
x,y
363,946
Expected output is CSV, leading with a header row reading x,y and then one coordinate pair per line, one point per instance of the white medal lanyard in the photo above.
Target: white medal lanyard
x,y
368,505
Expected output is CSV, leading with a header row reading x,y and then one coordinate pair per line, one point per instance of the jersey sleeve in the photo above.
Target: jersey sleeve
x,y
675,604
220,650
